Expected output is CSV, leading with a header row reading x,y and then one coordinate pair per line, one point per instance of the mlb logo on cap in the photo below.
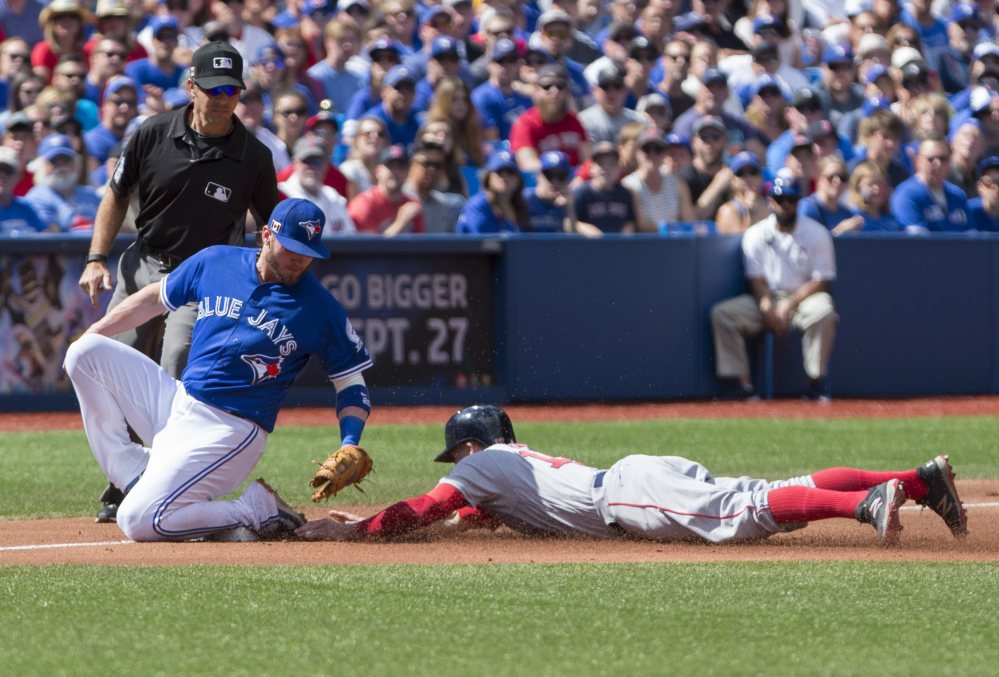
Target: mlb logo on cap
x,y
222,62
298,226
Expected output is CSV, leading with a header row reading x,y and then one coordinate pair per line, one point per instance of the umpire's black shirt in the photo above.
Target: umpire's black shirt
x,y
194,191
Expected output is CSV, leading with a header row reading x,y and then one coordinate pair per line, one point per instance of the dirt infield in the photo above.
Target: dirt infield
x,y
80,541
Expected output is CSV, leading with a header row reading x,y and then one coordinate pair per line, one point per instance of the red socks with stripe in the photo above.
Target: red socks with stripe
x,y
853,479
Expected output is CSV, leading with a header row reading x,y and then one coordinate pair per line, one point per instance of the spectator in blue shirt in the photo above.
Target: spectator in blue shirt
x,y
342,40
983,211
158,70
61,202
499,206
383,55
396,108
498,103
824,204
445,60
547,202
869,198
119,107
928,202
17,216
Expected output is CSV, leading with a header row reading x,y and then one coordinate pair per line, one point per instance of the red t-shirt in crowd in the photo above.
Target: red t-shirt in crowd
x,y
373,212
334,177
566,135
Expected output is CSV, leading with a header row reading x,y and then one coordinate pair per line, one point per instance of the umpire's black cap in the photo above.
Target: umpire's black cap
x,y
217,64
483,423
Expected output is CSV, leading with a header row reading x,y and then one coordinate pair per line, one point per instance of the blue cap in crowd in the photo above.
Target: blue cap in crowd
x,y
987,163
785,185
837,53
504,48
714,76
298,225
162,22
963,11
674,139
431,13
268,53
767,22
767,81
874,73
322,7
56,145
443,44
382,45
554,159
984,49
743,160
689,22
501,160
398,75
119,82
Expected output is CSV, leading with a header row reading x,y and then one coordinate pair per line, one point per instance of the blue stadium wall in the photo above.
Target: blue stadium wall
x,y
554,318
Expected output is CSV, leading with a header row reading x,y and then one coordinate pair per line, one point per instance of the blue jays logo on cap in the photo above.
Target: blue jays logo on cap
x,y
298,225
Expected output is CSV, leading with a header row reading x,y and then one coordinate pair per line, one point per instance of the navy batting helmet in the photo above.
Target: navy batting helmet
x,y
484,423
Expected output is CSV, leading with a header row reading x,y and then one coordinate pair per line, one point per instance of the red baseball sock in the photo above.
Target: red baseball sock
x,y
854,479
804,504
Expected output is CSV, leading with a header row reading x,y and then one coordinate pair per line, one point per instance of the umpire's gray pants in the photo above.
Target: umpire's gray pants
x,y
135,271
736,318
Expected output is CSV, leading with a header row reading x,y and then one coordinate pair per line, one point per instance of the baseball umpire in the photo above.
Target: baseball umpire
x,y
197,171
260,316
656,497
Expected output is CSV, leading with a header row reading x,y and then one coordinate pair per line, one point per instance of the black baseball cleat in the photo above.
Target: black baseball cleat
x,y
111,499
732,390
941,496
288,518
880,509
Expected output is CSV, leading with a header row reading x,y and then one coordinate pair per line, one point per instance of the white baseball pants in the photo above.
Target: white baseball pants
x,y
195,452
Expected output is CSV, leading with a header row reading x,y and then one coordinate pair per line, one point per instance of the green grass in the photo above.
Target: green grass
x,y
47,474
833,618
650,619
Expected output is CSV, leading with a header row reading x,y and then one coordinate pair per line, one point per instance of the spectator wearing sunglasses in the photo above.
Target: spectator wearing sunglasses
x,y
384,208
825,205
158,69
108,59
983,211
807,107
601,204
498,103
605,118
839,82
548,202
398,91
790,263
748,205
120,105
309,162
927,201
441,209
549,124
15,55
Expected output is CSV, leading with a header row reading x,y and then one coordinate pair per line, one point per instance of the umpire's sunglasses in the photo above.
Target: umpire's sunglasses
x,y
228,90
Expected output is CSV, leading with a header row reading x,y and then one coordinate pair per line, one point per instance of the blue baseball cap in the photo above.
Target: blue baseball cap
x,y
119,82
768,81
784,185
767,22
382,45
873,103
501,160
398,75
874,73
504,48
56,145
743,160
269,52
443,44
987,163
163,21
554,159
689,21
322,7
298,225
963,11
674,139
714,76
837,53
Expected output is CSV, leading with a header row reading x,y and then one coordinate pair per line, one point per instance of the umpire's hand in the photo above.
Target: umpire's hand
x,y
95,278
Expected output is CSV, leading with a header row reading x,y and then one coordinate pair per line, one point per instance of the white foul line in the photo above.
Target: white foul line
x,y
62,545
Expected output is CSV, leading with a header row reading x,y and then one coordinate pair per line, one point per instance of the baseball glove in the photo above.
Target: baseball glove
x,y
348,465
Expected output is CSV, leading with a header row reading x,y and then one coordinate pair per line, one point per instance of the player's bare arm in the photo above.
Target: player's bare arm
x,y
110,215
137,309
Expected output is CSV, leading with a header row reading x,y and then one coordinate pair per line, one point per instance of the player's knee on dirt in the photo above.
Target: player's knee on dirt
x,y
137,521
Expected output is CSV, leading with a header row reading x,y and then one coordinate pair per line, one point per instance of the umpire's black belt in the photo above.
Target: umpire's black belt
x,y
161,257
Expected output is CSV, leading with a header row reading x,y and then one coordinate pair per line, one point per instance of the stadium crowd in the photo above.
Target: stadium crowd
x,y
483,116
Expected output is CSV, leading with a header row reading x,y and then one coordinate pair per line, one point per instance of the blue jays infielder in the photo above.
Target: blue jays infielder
x,y
261,315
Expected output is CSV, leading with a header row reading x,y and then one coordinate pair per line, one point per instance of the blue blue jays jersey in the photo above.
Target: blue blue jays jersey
x,y
252,339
